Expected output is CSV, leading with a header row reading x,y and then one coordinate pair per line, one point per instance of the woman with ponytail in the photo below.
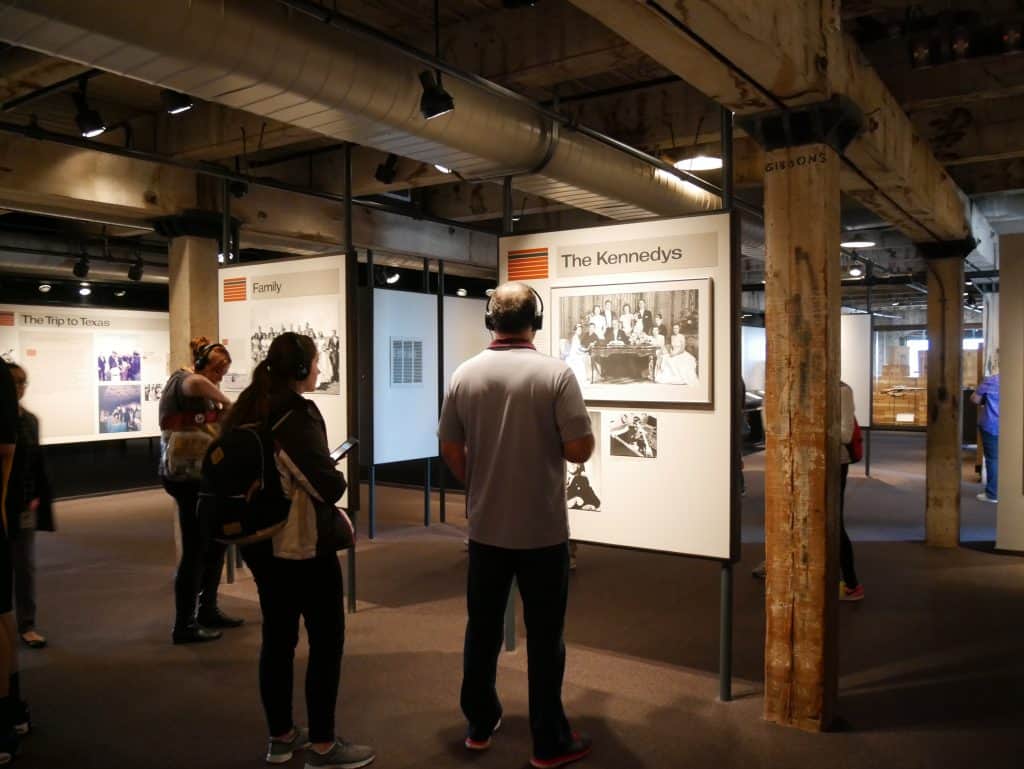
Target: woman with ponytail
x,y
190,408
290,584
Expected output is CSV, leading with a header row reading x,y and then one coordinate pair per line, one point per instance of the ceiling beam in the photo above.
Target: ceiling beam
x,y
753,57
974,132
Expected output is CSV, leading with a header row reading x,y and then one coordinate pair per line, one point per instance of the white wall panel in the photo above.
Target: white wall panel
x,y
75,396
404,413
464,332
855,362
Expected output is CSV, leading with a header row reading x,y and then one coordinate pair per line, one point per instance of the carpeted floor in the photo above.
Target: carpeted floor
x,y
932,674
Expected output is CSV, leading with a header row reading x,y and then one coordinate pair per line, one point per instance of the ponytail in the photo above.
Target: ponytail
x,y
253,404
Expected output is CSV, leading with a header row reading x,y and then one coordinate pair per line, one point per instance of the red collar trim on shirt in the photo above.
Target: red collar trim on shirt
x,y
511,344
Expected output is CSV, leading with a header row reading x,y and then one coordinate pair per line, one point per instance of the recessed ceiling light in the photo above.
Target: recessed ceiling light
x,y
461,292
84,284
44,288
856,272
969,282
85,291
858,244
393,278
699,163
120,292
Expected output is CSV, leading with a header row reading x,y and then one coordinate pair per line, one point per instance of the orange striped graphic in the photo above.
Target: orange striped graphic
x,y
234,290
528,264
6,318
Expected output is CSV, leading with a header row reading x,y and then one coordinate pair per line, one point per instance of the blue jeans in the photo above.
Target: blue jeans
x,y
990,445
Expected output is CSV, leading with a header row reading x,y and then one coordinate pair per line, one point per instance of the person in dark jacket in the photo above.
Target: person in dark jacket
x,y
307,585
29,509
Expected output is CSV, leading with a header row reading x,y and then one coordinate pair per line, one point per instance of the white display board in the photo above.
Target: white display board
x,y
753,356
260,300
855,363
464,332
662,470
404,376
94,374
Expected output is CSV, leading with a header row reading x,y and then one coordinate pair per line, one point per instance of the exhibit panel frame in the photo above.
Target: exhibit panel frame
x,y
405,365
95,374
304,294
679,495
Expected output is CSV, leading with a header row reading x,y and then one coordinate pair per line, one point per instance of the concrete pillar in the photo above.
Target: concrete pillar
x,y
1010,512
802,321
193,295
945,390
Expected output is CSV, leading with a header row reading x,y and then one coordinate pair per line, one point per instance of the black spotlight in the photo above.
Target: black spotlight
x,y
81,268
435,100
385,173
90,124
136,268
175,103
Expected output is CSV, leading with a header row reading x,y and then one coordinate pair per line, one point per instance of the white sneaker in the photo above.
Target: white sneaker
x,y
983,497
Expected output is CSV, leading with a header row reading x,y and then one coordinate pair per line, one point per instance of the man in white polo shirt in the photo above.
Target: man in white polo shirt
x,y
510,421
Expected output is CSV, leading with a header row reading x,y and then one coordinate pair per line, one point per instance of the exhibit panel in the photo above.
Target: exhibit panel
x,y
405,409
94,374
260,300
464,332
642,315
753,357
855,362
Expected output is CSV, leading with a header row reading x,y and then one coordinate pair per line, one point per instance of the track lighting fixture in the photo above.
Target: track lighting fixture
x,y
385,173
81,268
90,123
856,271
435,101
174,102
136,268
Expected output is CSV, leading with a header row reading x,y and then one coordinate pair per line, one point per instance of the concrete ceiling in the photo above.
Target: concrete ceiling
x,y
970,112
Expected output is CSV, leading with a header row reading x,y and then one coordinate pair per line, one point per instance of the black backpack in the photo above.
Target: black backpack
x,y
241,500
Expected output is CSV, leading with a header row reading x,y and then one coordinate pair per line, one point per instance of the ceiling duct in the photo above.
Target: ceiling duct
x,y
257,56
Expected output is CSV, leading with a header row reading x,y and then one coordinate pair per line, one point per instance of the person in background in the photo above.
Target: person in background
x,y
643,317
14,718
191,401
291,587
850,588
30,507
511,419
987,396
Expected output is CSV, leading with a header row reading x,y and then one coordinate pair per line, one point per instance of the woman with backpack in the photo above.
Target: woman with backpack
x,y
297,572
190,406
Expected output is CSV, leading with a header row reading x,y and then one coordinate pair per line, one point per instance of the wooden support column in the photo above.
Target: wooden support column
x,y
802,297
944,462
192,263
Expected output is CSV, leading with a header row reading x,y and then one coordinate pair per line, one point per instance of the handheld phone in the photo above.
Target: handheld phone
x,y
339,453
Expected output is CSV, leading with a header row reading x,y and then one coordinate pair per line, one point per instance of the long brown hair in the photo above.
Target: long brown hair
x,y
288,356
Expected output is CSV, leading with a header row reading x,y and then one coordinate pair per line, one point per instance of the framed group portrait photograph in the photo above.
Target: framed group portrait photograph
x,y
637,342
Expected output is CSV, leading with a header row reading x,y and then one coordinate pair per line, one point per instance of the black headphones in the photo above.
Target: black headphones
x,y
203,354
301,366
536,323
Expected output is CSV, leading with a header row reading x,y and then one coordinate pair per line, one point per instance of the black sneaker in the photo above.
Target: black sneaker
x,y
194,634
22,719
215,618
574,751
8,746
480,739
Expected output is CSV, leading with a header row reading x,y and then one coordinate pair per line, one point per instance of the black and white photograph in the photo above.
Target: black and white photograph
x,y
583,480
120,408
152,392
314,316
118,358
633,434
647,342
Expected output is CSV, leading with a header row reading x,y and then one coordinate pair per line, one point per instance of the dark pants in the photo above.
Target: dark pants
x,y
23,557
312,589
202,559
846,568
990,446
543,577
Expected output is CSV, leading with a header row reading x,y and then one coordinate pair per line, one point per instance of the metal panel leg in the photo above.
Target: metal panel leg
x,y
725,636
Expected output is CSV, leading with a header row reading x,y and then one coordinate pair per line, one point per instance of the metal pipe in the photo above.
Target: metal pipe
x,y
46,90
371,422
351,370
441,470
725,635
